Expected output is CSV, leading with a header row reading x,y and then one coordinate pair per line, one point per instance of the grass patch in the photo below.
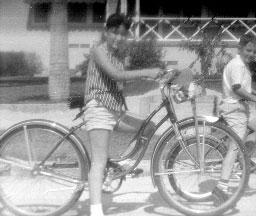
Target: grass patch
x,y
32,92
35,98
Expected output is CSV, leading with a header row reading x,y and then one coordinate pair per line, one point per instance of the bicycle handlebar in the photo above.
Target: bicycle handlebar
x,y
181,77
166,77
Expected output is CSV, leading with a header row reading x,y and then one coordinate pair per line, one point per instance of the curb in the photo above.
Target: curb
x,y
11,114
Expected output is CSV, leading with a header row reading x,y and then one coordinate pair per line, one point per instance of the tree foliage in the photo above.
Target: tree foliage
x,y
144,54
204,46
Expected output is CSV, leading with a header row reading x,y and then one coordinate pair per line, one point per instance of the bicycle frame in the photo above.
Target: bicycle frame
x,y
167,102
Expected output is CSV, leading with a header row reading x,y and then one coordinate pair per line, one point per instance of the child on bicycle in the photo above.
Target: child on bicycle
x,y
104,100
234,107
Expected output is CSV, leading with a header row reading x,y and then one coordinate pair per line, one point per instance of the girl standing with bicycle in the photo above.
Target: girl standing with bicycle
x,y
104,100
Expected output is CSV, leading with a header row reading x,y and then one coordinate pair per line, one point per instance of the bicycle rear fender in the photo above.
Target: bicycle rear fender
x,y
170,131
48,123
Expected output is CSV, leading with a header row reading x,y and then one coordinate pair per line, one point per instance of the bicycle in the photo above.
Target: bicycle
x,y
185,163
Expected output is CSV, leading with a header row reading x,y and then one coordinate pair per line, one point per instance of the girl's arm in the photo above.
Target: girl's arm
x,y
107,67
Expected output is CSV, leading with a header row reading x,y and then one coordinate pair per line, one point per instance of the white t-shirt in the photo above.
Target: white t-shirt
x,y
235,72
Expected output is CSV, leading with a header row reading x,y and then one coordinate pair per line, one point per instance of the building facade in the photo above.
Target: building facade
x,y
25,25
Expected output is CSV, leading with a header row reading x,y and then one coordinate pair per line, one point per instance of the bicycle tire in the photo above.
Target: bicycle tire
x,y
169,154
57,186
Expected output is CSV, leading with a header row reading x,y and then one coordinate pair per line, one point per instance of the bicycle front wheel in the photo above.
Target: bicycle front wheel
x,y
187,187
50,189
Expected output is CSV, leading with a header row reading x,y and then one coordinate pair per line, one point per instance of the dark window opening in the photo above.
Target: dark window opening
x,y
241,10
41,12
149,8
77,12
73,45
79,15
99,12
131,7
218,8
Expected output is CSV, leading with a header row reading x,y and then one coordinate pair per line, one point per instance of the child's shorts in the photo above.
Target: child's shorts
x,y
237,116
97,116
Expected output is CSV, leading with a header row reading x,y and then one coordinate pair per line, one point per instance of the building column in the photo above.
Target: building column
x,y
111,7
123,8
160,25
137,19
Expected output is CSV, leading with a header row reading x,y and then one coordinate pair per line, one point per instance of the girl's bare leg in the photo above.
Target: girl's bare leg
x,y
228,162
99,139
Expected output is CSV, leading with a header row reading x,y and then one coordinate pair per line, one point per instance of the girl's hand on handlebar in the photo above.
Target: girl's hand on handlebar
x,y
158,73
163,73
168,75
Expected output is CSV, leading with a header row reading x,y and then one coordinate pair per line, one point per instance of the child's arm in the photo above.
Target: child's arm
x,y
107,67
237,75
245,94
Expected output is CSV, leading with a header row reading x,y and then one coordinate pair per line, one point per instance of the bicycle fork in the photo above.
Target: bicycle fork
x,y
173,118
200,148
183,145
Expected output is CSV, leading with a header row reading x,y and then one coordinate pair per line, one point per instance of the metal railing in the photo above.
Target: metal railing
x,y
176,29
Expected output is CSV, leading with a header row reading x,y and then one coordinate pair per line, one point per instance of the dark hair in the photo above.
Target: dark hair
x,y
245,39
116,20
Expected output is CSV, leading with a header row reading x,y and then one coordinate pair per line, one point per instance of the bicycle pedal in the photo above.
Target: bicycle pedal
x,y
135,173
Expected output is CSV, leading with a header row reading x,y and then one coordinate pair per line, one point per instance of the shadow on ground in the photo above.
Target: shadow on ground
x,y
112,207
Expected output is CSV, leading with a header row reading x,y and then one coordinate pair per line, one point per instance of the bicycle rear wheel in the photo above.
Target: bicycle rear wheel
x,y
50,189
181,182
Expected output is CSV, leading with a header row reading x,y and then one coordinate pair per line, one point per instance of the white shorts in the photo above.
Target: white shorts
x,y
237,116
97,116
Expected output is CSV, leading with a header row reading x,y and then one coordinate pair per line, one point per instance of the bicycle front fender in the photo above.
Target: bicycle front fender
x,y
170,132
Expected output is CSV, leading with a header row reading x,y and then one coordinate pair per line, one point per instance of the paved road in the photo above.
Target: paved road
x,y
139,197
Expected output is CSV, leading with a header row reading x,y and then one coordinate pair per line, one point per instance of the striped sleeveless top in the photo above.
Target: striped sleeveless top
x,y
100,86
